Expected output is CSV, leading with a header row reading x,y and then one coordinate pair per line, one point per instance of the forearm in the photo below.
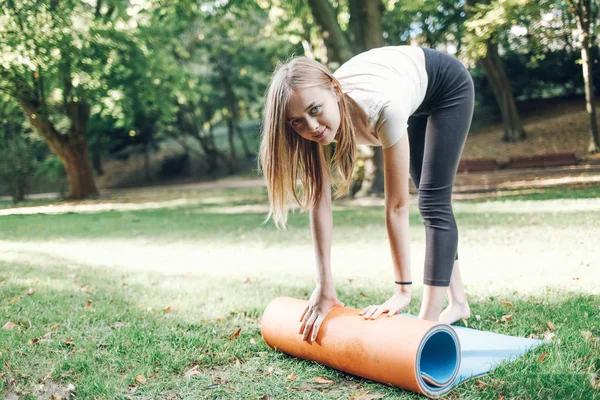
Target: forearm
x,y
399,238
321,223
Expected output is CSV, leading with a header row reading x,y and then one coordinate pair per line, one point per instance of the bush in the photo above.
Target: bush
x,y
17,165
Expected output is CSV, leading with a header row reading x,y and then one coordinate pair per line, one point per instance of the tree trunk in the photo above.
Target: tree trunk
x,y
589,92
233,163
369,18
71,149
338,46
494,70
97,162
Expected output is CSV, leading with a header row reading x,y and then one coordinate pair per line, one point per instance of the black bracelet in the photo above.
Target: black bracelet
x,y
403,283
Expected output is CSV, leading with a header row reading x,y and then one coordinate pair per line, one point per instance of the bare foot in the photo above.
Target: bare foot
x,y
455,312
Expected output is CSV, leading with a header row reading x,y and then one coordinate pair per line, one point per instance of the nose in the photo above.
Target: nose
x,y
312,123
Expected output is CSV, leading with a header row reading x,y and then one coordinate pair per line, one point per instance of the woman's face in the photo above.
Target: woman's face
x,y
314,114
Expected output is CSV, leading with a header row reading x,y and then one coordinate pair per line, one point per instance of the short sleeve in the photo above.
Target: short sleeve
x,y
392,124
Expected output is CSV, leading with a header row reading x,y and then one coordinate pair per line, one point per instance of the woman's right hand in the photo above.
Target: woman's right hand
x,y
320,303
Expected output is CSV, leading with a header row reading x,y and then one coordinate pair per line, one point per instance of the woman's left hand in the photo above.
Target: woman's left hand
x,y
394,305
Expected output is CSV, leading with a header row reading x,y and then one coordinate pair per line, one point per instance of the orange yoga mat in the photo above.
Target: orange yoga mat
x,y
413,354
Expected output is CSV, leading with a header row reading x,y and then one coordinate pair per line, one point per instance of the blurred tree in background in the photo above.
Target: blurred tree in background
x,y
98,79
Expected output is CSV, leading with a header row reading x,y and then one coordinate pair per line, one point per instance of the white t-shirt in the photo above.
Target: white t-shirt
x,y
389,84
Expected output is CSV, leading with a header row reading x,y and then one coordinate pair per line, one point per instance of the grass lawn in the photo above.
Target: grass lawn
x,y
159,294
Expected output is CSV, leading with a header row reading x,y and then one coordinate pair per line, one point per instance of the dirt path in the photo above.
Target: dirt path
x,y
466,184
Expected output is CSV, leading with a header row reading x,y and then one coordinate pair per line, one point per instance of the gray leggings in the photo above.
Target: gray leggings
x,y
437,132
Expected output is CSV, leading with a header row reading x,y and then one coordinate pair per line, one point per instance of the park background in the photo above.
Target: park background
x,y
134,262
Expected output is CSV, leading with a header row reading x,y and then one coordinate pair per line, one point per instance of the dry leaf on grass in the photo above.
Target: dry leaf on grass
x,y
269,371
252,341
506,303
8,326
365,395
118,324
506,318
140,379
30,291
481,384
193,372
168,309
542,357
550,325
88,304
587,335
291,377
236,334
298,388
323,381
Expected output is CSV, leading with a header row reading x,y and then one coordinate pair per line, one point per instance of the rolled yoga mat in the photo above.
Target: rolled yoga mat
x,y
421,356
413,354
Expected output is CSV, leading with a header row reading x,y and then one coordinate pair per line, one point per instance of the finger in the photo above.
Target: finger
x,y
316,328
379,311
365,310
309,325
303,313
391,313
304,321
370,312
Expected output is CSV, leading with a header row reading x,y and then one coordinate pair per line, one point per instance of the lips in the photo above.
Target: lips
x,y
320,134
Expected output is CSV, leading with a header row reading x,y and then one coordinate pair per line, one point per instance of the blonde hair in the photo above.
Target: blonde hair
x,y
285,156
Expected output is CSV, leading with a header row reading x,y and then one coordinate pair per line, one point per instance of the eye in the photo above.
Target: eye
x,y
295,122
315,110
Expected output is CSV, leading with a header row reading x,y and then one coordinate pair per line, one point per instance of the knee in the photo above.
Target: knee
x,y
436,210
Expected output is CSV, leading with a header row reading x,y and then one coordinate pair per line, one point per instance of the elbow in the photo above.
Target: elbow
x,y
397,209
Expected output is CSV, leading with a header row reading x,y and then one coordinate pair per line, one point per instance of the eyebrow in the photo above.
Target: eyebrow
x,y
306,109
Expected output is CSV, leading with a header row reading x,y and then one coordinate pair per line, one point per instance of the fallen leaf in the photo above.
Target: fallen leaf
x,y
118,324
264,397
88,304
8,326
548,336
323,381
584,359
291,377
364,395
123,284
587,335
492,318
550,325
132,388
30,291
364,295
14,300
168,309
252,341
172,396
55,326
506,318
140,379
236,334
585,315
299,389
481,383
193,372
269,371
237,363
595,382
69,342
542,357
478,317
506,303
84,288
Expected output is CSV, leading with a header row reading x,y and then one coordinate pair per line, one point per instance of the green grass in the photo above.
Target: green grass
x,y
159,290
